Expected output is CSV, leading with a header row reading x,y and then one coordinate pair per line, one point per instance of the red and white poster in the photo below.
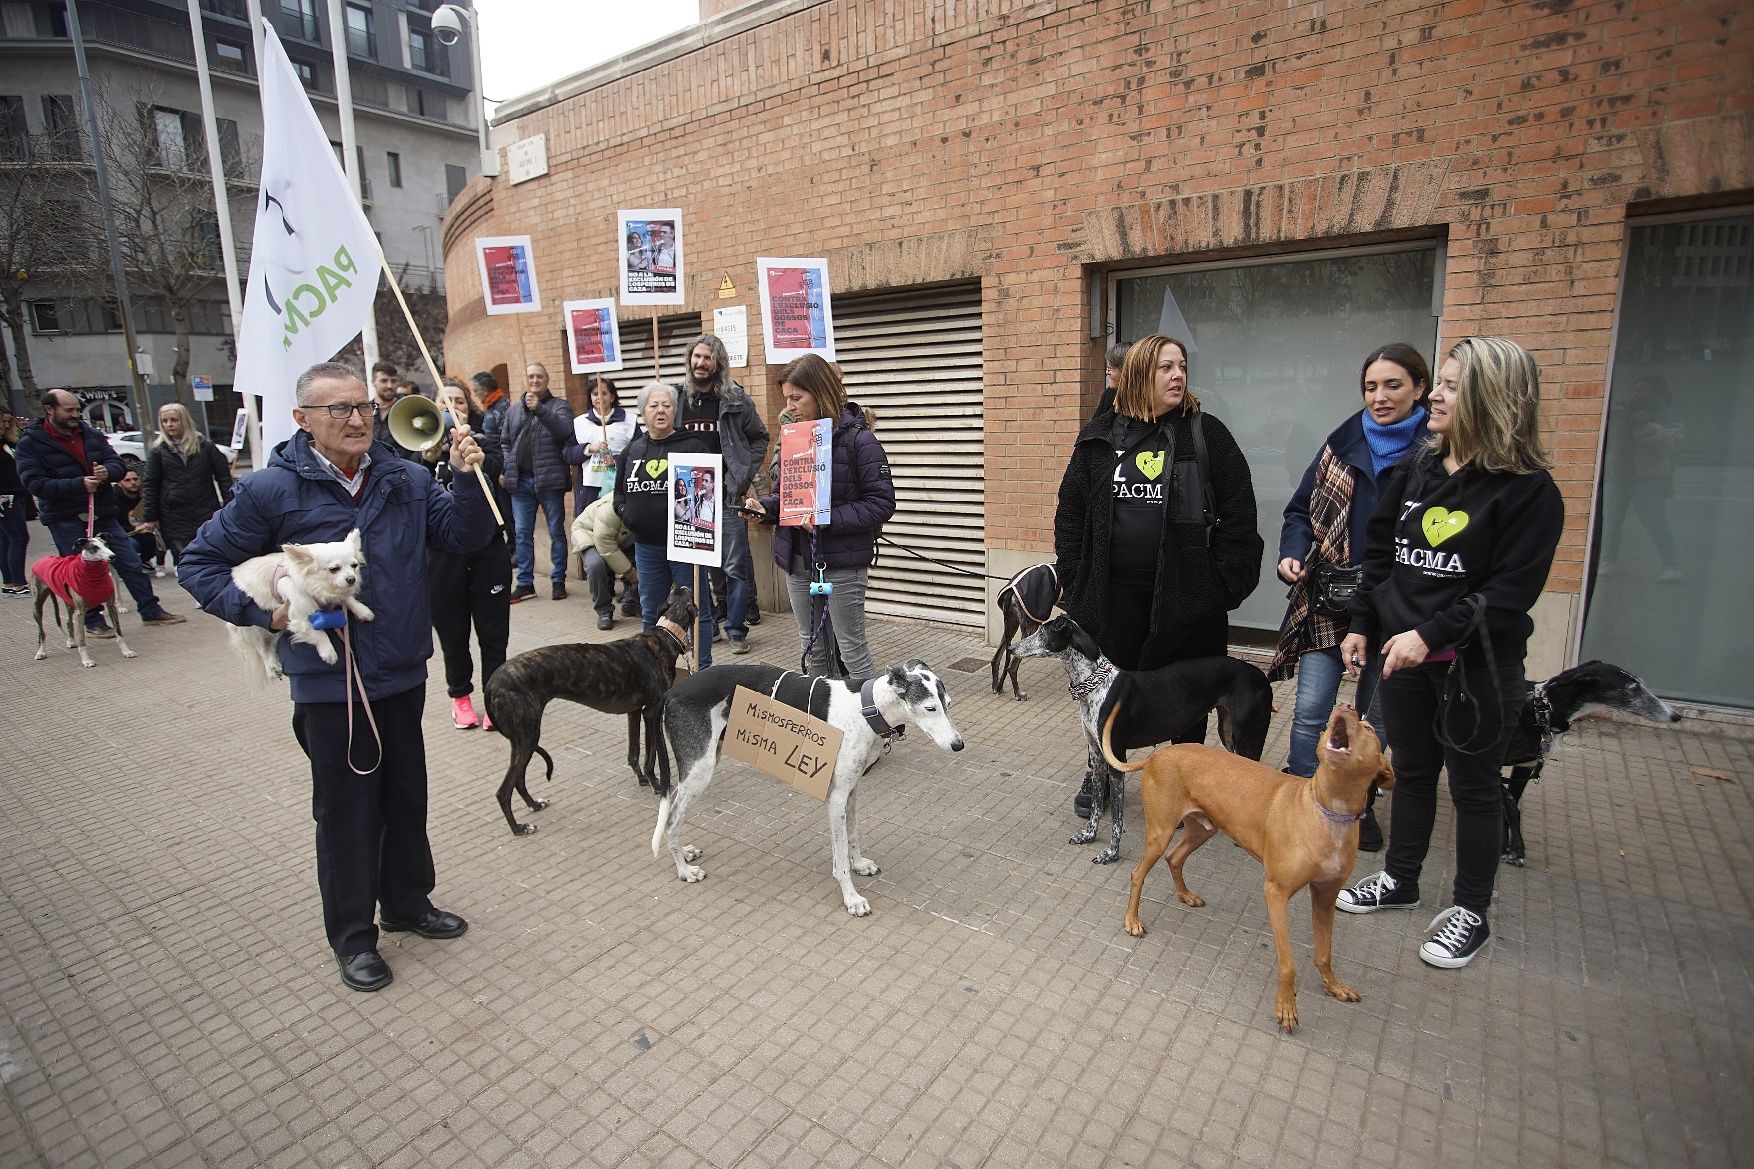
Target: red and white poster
x,y
806,463
796,314
649,241
508,274
593,339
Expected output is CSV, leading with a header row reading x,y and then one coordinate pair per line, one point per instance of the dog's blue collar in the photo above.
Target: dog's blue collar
x,y
868,707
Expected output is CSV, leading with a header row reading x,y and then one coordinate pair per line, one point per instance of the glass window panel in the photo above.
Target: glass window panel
x,y
1277,349
1676,497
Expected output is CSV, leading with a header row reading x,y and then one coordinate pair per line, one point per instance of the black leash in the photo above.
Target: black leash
x,y
1456,694
941,563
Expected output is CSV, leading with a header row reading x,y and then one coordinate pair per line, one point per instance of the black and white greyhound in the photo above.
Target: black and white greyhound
x,y
867,713
1155,707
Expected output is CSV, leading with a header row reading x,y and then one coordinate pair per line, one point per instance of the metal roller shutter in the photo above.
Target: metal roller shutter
x,y
674,334
914,359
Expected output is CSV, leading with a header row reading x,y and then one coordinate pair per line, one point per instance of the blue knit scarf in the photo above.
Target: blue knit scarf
x,y
1389,443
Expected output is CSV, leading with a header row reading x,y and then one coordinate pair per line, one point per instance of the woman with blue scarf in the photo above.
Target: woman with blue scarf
x,y
1324,526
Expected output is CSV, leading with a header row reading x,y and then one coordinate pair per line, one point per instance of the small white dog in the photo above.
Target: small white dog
x,y
305,577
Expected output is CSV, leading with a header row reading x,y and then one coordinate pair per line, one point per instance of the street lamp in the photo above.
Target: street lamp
x,y
447,25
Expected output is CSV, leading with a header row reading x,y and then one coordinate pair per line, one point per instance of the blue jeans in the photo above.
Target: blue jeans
x,y
656,575
1318,681
68,533
739,576
525,500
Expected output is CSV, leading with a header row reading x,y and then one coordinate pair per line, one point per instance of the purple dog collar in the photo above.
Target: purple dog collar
x,y
1338,817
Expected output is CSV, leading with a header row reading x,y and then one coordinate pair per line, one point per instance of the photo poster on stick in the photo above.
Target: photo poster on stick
x,y
649,242
696,495
796,316
593,337
508,274
806,464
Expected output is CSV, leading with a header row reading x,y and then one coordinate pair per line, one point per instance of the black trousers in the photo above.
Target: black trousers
x,y
1415,710
371,829
1129,616
464,589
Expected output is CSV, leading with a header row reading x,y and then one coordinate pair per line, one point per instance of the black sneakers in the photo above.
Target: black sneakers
x,y
1377,891
1458,935
523,593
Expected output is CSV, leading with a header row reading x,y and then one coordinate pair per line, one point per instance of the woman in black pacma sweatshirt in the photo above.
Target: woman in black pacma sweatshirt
x,y
1456,554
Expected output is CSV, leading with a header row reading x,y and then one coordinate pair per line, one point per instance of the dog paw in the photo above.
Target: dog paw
x,y
523,829
859,907
1107,856
866,867
41,654
1134,926
691,874
1286,1013
691,853
130,653
326,652
363,613
1190,898
538,805
1085,836
1338,990
1023,696
88,665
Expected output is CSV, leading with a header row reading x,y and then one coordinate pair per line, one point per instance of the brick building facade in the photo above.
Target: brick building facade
x,y
1045,150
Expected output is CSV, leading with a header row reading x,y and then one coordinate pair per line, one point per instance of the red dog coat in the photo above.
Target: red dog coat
x,y
65,575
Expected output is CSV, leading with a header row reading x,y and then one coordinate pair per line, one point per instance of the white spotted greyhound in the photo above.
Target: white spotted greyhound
x,y
867,713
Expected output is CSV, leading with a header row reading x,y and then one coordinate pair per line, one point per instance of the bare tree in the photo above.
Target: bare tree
x,y
45,242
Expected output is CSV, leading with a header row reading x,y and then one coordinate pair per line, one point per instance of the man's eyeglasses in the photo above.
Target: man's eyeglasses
x,y
340,410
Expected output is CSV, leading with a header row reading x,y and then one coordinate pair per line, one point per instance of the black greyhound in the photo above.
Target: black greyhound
x,y
627,677
1551,708
1155,707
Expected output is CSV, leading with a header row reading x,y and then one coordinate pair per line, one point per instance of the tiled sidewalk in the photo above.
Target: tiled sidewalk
x,y
169,999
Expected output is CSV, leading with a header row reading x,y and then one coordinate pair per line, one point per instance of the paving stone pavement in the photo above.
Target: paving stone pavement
x,y
169,999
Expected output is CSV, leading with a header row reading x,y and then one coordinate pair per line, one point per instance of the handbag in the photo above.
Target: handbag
x,y
1332,588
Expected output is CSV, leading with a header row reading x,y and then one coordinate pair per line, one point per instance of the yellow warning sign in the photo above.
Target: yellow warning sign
x,y
726,289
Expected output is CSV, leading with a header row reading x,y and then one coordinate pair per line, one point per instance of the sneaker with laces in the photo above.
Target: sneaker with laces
x,y
523,593
558,592
162,617
463,714
1377,891
1457,936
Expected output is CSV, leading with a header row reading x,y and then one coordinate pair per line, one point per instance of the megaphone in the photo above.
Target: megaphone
x,y
417,424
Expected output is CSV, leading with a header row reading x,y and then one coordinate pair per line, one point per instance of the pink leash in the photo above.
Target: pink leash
x,y
351,672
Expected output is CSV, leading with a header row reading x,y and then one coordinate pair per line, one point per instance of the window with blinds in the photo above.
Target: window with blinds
x,y
914,360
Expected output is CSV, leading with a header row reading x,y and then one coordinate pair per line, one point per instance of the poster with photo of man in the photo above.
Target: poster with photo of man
x,y
593,339
696,499
508,274
650,243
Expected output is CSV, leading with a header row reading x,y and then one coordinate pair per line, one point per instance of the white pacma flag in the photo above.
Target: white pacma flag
x,y
314,260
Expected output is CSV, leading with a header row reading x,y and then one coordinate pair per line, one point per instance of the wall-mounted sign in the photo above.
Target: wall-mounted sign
x,y
649,242
508,274
527,158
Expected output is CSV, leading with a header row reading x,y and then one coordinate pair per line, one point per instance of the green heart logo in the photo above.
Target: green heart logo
x,y
656,467
1150,463
1440,523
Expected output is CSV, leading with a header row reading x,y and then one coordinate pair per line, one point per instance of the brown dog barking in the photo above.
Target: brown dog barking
x,y
1304,831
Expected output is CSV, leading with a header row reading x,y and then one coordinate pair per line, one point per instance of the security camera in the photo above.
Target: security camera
x,y
447,23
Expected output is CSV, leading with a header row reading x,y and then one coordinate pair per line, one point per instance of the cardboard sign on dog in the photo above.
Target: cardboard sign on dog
x,y
783,741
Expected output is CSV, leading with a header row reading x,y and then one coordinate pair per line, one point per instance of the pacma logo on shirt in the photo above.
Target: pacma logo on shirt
x,y
1437,525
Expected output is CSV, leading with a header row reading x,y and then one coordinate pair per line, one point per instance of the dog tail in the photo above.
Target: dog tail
x,y
546,757
1108,750
663,823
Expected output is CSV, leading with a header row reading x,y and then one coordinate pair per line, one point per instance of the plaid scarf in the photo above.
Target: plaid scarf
x,y
1304,629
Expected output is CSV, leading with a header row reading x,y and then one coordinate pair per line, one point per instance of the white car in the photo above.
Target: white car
x,y
132,442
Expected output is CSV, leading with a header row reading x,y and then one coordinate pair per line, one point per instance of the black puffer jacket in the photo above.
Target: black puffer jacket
x,y
547,431
1197,584
862,497
180,492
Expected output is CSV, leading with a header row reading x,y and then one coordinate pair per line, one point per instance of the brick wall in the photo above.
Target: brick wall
x,y
1037,145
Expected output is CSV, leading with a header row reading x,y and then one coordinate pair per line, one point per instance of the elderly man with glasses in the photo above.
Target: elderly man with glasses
x,y
369,781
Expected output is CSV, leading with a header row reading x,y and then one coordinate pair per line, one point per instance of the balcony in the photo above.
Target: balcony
x,y
362,42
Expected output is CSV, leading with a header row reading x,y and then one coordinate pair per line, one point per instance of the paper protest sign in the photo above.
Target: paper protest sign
x,y
796,316
508,274
782,741
650,244
593,338
696,497
806,470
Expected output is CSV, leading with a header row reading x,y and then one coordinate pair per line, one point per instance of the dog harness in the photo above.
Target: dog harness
x,y
67,575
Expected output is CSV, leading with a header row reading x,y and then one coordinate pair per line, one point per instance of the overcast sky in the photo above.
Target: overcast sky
x,y
526,44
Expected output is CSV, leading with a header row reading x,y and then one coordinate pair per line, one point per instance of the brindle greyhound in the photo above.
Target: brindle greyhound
x,y
628,677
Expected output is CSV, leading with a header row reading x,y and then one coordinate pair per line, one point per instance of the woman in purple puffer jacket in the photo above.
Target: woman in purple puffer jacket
x,y
840,552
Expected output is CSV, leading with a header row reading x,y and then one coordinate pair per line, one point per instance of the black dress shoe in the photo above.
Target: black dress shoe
x,y
436,923
364,971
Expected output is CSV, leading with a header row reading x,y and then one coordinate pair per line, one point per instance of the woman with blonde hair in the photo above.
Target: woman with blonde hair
x,y
1154,535
1456,554
187,480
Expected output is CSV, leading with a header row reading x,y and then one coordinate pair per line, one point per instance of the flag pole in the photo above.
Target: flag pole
x,y
432,368
350,161
657,368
